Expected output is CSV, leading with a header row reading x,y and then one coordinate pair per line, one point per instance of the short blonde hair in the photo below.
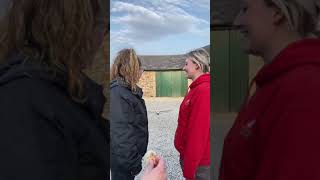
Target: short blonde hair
x,y
302,15
200,57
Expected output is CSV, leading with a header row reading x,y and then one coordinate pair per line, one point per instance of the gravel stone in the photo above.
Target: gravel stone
x,y
163,117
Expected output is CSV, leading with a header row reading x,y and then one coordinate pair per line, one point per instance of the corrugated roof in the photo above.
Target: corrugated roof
x,y
165,62
168,62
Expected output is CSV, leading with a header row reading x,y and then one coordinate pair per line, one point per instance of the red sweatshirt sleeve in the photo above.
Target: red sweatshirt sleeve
x,y
292,149
199,132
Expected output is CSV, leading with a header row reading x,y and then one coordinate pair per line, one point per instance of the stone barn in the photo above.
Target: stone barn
x,y
163,75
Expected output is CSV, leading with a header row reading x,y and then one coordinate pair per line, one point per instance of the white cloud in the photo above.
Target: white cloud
x,y
198,4
158,19
132,9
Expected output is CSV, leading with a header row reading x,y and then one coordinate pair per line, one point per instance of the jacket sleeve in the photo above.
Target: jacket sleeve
x,y
199,132
33,145
124,151
291,151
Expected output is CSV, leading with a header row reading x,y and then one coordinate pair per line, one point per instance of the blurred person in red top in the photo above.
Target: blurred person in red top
x,y
276,133
192,138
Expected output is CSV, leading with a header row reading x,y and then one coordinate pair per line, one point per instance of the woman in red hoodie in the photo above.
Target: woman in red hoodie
x,y
192,138
276,134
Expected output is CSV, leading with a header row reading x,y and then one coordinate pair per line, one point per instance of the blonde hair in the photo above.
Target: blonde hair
x,y
126,66
302,15
200,57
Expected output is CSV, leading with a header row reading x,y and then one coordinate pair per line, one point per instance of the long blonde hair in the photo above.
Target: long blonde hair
x,y
126,66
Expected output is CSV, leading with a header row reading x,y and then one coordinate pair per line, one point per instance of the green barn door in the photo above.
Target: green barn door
x,y
163,84
220,84
239,72
230,67
171,84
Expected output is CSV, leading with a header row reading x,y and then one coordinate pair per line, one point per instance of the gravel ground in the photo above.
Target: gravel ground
x,y
162,116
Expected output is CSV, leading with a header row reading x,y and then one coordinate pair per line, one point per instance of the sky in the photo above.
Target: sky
x,y
159,27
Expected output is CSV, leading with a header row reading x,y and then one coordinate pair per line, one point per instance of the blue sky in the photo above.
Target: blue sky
x,y
159,27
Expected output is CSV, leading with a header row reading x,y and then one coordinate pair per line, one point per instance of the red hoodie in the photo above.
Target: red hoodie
x,y
276,134
192,138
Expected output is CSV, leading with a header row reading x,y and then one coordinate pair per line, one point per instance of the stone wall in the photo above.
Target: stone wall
x,y
148,84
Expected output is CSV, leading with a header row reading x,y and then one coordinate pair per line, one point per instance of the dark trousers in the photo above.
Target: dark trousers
x,y
202,172
119,175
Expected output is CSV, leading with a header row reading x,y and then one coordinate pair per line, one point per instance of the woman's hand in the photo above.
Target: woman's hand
x,y
155,170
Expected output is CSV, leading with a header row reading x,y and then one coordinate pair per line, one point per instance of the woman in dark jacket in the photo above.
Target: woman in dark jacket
x,y
128,122
51,123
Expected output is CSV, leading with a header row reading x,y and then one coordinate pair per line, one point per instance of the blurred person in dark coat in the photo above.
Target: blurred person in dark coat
x,y
128,117
50,112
